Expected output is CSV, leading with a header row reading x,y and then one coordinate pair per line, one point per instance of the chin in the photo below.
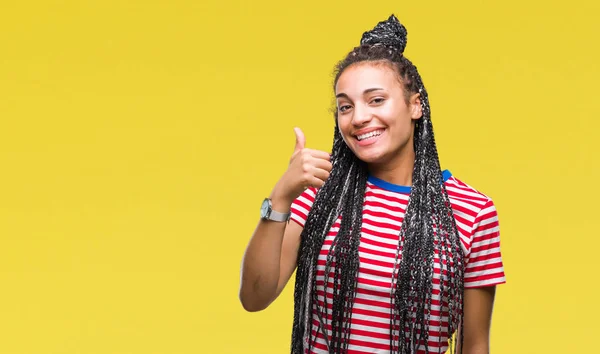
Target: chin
x,y
371,157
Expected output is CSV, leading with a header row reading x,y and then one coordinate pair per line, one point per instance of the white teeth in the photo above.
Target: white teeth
x,y
368,135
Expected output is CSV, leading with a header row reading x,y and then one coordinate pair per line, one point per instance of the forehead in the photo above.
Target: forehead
x,y
359,77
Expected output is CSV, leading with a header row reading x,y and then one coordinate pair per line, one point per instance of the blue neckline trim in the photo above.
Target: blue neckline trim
x,y
398,188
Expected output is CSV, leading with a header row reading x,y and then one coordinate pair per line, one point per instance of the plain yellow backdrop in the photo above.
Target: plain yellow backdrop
x,y
138,139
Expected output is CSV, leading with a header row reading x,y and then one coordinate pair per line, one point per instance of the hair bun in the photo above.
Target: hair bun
x,y
389,33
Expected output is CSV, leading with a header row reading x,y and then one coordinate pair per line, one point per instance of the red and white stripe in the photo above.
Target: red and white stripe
x,y
383,213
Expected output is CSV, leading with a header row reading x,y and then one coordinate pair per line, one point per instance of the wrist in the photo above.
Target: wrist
x,y
280,201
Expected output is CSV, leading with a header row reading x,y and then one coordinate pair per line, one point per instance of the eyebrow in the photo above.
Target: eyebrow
x,y
364,92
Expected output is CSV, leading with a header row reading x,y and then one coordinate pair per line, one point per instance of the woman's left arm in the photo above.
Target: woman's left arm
x,y
477,319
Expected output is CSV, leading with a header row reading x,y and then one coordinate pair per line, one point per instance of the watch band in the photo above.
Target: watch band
x,y
277,216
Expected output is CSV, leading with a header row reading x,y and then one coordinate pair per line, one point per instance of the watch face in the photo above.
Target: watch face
x,y
264,209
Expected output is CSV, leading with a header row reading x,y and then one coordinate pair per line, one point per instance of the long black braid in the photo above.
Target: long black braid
x,y
428,230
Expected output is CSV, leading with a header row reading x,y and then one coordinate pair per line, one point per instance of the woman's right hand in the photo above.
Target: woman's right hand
x,y
272,253
307,168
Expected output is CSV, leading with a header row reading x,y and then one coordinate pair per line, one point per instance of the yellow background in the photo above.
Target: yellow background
x,y
138,139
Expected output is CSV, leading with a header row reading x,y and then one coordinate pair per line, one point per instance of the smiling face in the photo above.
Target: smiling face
x,y
375,117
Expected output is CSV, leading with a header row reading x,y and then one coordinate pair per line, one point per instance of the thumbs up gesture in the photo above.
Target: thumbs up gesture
x,y
307,168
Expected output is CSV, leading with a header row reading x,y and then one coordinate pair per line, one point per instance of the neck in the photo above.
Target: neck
x,y
398,171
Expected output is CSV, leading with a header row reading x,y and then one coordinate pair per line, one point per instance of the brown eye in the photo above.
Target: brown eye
x,y
378,100
344,108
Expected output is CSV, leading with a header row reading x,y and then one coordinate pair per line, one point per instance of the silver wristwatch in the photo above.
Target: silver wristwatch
x,y
267,212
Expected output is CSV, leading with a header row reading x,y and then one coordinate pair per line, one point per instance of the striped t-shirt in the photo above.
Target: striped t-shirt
x,y
383,212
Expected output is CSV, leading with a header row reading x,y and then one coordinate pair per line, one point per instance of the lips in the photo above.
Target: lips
x,y
368,135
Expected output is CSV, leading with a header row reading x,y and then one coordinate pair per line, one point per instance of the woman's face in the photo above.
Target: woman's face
x,y
373,117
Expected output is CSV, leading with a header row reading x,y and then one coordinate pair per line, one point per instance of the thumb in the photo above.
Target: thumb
x,y
300,140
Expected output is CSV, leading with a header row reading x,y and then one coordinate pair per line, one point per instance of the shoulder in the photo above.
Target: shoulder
x,y
465,196
475,212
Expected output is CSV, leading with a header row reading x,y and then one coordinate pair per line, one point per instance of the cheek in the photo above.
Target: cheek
x,y
343,132
400,119
388,111
344,125
348,144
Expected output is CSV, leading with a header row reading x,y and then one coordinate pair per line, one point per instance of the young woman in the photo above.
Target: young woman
x,y
393,255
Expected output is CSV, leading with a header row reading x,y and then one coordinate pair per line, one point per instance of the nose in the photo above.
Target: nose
x,y
361,115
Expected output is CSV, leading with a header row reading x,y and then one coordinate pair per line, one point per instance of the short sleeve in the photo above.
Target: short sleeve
x,y
301,206
484,263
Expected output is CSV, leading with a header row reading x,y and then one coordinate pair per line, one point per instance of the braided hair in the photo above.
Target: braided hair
x,y
428,230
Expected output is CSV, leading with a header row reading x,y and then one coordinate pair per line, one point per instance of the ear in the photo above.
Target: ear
x,y
416,112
